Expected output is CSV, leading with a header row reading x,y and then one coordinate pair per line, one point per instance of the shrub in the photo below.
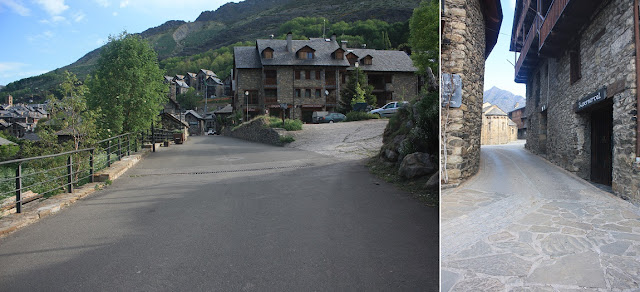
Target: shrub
x,y
359,116
286,139
289,125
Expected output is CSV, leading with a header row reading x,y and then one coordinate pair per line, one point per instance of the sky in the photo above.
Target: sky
x,y
37,36
499,72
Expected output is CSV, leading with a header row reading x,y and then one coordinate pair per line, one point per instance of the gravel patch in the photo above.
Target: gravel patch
x,y
346,140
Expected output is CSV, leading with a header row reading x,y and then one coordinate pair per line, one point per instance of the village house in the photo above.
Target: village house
x,y
579,61
469,33
497,128
298,77
519,117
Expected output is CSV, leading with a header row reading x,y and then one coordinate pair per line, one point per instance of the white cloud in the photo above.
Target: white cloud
x,y
115,13
11,66
16,6
45,35
124,3
58,18
79,16
103,3
53,7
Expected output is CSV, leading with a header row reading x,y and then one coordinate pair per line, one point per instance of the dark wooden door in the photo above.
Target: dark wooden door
x,y
601,144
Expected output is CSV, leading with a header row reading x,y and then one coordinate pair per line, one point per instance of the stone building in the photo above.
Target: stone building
x,y
497,128
519,117
579,61
306,76
469,33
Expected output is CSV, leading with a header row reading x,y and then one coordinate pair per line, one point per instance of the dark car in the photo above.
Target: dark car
x,y
332,118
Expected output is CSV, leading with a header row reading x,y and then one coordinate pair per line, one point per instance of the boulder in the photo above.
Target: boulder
x,y
416,165
433,182
391,155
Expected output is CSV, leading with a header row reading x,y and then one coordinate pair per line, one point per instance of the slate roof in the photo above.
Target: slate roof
x,y
215,79
208,72
225,110
4,141
182,84
383,60
168,79
282,57
192,75
246,58
193,113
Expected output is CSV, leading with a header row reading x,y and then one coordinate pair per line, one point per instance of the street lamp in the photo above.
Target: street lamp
x,y
246,93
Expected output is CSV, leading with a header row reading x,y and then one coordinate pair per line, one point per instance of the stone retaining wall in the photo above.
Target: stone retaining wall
x,y
257,131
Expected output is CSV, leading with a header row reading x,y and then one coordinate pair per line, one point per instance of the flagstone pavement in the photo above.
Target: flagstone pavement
x,y
523,224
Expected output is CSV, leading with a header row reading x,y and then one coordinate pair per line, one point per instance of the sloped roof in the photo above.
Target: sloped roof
x,y
193,113
182,84
385,60
511,123
215,79
191,74
207,72
4,141
246,58
493,110
225,110
283,57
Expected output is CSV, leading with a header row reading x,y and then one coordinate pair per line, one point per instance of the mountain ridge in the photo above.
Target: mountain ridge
x,y
504,99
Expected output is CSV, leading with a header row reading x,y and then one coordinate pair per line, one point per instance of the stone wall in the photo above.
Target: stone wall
x,y
556,132
405,86
256,131
464,28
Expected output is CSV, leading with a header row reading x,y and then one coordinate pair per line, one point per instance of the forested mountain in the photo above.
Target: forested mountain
x,y
208,41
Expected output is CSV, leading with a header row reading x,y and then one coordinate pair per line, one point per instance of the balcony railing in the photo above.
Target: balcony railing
x,y
527,52
550,20
271,99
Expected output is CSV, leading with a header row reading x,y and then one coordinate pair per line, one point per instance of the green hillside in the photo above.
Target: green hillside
x,y
186,45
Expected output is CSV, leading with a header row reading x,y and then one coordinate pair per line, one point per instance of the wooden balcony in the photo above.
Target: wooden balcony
x,y
528,54
561,24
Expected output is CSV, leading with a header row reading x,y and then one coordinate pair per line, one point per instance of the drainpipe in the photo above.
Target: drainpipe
x,y
637,39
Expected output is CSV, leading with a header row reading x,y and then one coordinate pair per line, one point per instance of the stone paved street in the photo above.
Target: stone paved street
x,y
522,224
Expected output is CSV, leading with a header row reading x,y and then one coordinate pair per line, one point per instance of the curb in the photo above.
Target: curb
x,y
35,211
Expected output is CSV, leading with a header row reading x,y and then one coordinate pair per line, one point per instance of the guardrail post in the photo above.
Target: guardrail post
x,y
70,173
153,138
109,153
91,169
19,188
128,144
119,149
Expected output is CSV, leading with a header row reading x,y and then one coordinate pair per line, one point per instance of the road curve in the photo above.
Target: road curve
x,y
221,214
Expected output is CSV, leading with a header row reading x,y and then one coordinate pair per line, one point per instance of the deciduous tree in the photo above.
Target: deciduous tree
x,y
424,36
127,85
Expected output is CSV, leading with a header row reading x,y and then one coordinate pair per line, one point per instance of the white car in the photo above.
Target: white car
x,y
389,109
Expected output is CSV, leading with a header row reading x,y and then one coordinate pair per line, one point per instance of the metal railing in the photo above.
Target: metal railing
x,y
47,175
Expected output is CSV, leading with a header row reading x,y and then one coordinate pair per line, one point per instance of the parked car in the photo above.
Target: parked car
x,y
389,109
318,114
332,118
211,132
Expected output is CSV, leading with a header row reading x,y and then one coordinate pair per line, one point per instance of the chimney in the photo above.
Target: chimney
x,y
344,45
364,46
333,37
290,42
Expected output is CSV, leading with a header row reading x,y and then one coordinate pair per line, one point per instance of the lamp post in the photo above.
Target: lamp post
x,y
246,93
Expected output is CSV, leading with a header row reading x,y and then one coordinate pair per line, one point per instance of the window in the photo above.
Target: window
x,y
309,55
330,77
297,74
317,74
307,74
298,93
271,95
318,93
270,77
307,93
368,60
267,53
574,66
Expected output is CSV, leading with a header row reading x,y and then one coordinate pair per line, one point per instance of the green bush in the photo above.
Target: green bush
x,y
359,116
289,125
286,139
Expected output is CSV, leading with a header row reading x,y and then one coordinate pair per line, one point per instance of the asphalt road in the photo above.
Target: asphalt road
x,y
220,214
523,224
